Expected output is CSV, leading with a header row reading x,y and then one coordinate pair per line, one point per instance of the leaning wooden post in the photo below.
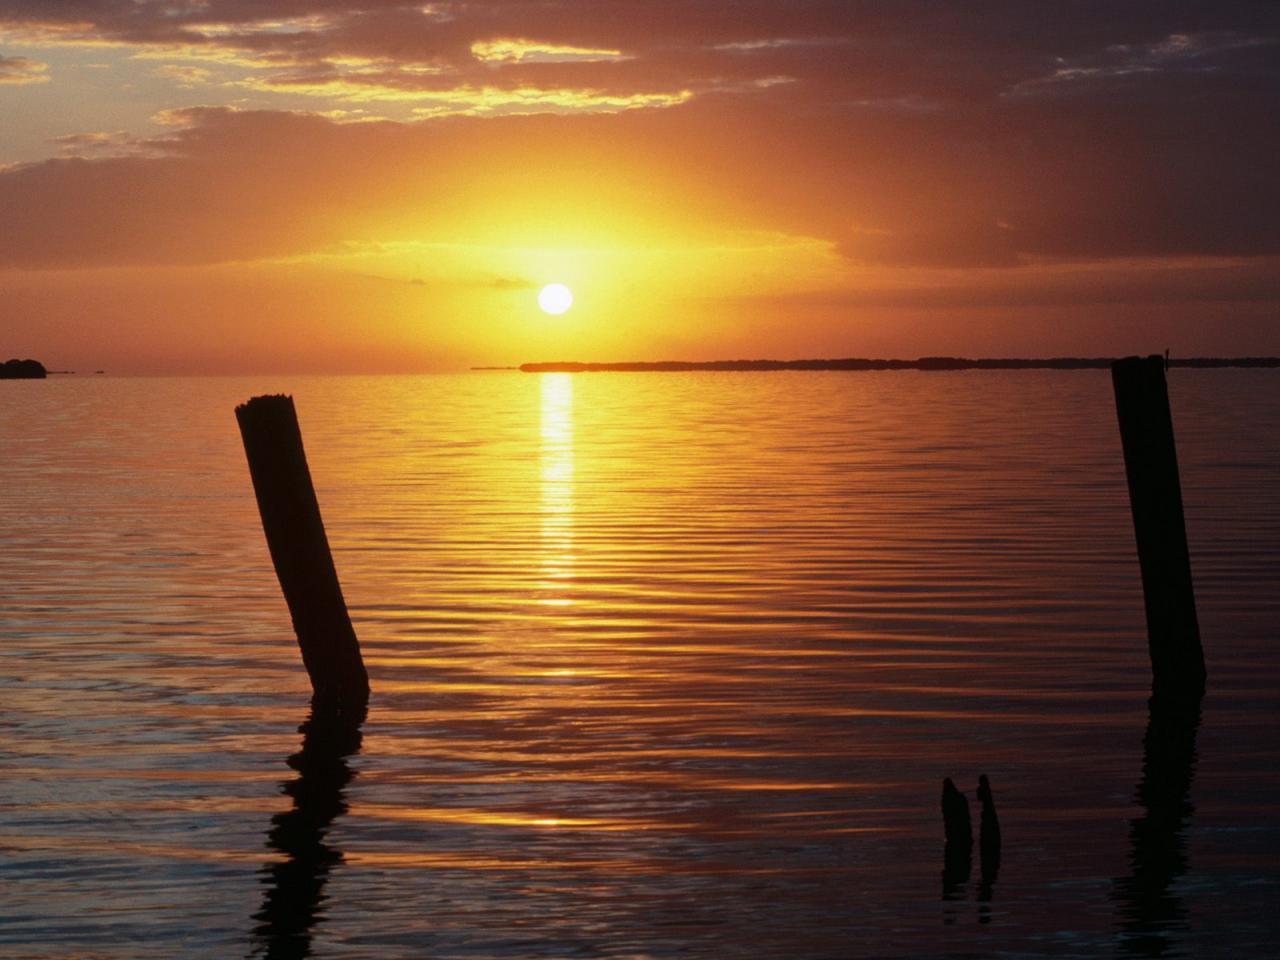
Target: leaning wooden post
x,y
300,550
1151,464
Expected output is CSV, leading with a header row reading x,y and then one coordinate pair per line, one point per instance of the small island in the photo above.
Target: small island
x,y
22,370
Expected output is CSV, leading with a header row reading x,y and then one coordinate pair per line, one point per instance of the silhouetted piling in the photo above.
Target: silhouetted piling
x,y
1155,495
955,815
957,854
988,833
300,549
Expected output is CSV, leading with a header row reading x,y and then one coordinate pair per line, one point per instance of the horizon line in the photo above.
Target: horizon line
x,y
928,363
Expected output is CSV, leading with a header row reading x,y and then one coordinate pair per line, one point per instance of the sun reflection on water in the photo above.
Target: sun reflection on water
x,y
556,456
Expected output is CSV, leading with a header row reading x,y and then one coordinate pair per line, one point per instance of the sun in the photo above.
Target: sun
x,y
555,298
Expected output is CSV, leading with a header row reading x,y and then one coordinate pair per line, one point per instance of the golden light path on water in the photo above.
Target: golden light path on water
x,y
557,487
663,665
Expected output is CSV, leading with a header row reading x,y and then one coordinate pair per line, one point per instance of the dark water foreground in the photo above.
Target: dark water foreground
x,y
664,665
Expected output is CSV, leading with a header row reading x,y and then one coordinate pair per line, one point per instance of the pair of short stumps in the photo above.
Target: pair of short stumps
x,y
958,854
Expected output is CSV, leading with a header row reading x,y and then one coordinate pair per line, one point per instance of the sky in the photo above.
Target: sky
x,y
222,186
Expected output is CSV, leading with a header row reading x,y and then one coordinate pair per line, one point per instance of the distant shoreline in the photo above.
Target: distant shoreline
x,y
859,363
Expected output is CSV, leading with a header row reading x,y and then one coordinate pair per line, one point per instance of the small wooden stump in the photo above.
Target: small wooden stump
x,y
300,550
957,852
989,836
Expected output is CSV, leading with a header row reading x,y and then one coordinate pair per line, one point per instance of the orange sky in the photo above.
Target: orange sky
x,y
315,185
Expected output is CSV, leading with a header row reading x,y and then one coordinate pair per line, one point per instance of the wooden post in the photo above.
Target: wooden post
x,y
300,550
1155,495
989,837
957,852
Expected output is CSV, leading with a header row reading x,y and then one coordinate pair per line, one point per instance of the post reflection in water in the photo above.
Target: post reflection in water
x,y
556,459
1151,914
293,901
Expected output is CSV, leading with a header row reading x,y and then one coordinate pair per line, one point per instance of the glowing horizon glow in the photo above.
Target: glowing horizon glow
x,y
348,187
555,298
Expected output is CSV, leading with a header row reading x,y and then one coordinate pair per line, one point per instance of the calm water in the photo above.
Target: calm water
x,y
663,666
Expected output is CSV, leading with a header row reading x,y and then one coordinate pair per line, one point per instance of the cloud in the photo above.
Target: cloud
x,y
910,134
512,283
16,71
495,283
388,51
775,43
472,101
430,97
184,76
1175,53
220,185
1112,283
532,51
118,143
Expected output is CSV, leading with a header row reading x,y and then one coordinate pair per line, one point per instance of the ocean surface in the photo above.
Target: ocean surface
x,y
663,665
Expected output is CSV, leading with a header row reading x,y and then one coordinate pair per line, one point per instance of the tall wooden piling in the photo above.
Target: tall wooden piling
x,y
1155,495
300,549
